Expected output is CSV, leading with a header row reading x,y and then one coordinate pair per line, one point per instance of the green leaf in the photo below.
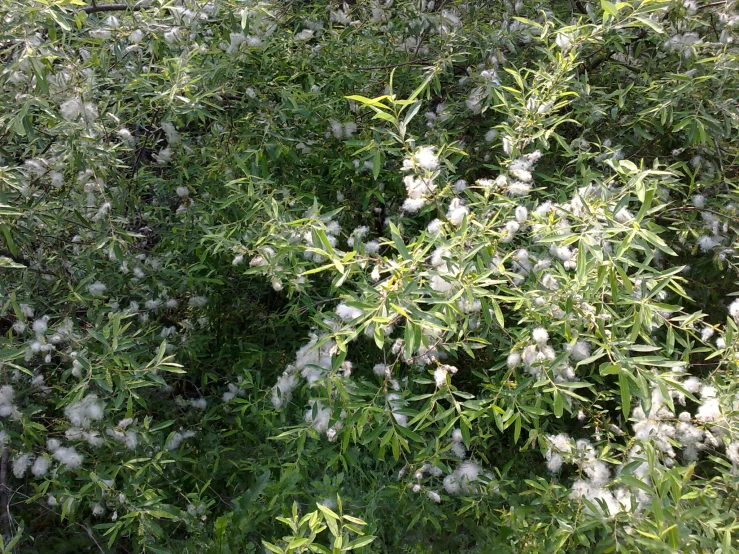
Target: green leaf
x,y
623,383
629,165
530,22
411,113
632,481
517,429
328,512
410,434
297,542
656,27
398,241
558,404
370,101
376,164
609,8
7,263
358,543
273,548
355,520
385,117
498,314
422,86
9,241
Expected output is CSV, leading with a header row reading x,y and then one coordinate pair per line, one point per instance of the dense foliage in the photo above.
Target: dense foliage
x,y
390,276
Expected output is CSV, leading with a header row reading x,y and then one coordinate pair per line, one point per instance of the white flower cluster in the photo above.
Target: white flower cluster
x,y
122,434
663,428
444,270
40,464
709,428
427,352
457,211
312,361
341,130
593,488
357,235
715,230
348,312
81,415
439,115
45,342
539,356
449,20
261,26
65,455
534,355
97,288
234,390
564,41
7,408
519,180
457,445
21,463
420,185
84,412
73,108
441,373
177,438
685,44
318,415
431,471
464,478
196,403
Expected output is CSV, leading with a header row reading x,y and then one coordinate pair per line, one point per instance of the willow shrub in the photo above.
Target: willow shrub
x,y
434,278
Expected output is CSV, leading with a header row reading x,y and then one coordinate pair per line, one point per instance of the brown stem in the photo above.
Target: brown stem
x,y
580,6
4,496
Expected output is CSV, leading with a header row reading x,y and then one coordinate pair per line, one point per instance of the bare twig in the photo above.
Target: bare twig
x,y
89,532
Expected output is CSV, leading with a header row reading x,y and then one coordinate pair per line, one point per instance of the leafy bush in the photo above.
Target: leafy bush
x,y
469,266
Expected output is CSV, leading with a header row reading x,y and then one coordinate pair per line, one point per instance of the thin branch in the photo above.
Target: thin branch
x,y
284,10
721,165
596,61
712,5
112,8
412,62
631,68
693,208
43,506
89,532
